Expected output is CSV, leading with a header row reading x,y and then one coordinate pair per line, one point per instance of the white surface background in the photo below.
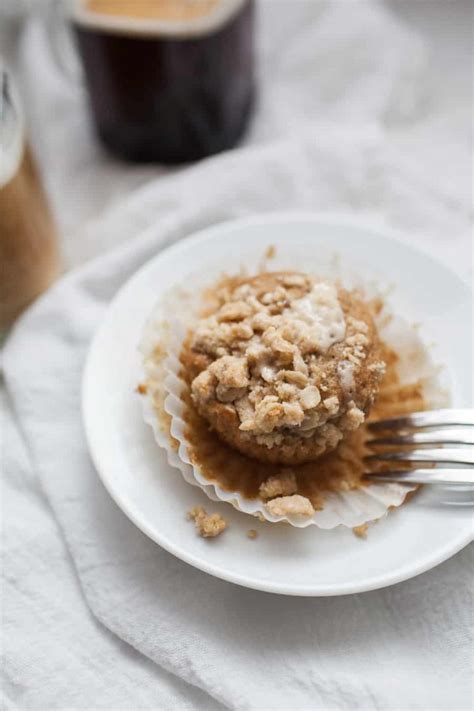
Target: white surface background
x,y
358,113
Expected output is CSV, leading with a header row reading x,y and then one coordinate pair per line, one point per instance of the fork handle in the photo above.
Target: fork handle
x,y
426,476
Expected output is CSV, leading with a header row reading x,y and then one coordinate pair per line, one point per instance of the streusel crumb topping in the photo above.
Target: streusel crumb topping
x,y
285,356
283,484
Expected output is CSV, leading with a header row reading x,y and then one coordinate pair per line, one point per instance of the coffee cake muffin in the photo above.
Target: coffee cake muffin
x,y
284,365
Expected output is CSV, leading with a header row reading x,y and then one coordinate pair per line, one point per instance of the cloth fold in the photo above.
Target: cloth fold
x,y
403,647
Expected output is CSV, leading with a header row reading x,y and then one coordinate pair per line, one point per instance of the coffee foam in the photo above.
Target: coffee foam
x,y
12,133
200,25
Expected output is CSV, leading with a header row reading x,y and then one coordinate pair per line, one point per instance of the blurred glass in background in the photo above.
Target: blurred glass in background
x,y
168,80
29,255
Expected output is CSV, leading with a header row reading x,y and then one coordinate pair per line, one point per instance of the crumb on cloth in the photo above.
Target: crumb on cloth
x,y
207,525
142,389
361,531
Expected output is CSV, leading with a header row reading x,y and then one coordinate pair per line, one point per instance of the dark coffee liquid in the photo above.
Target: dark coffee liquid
x,y
170,100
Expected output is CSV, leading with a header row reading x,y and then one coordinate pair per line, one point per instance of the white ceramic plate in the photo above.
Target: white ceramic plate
x,y
155,497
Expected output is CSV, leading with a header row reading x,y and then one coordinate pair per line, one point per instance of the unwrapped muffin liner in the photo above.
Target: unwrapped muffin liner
x,y
164,410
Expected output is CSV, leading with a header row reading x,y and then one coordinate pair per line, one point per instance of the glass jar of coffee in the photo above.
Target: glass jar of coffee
x,y
168,80
29,255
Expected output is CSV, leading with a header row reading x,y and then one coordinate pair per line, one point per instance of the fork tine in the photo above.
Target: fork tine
x,y
446,435
431,418
426,476
433,456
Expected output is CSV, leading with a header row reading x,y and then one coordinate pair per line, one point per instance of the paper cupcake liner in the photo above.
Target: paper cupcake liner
x,y
164,409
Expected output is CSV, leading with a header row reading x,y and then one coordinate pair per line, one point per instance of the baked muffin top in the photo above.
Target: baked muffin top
x,y
284,365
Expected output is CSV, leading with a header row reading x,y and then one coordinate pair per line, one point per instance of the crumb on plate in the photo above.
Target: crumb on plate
x,y
207,525
142,389
361,531
286,505
252,534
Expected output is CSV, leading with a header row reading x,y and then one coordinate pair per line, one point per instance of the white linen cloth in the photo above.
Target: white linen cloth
x,y
340,127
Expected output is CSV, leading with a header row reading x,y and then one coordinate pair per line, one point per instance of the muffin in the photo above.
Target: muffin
x,y
284,365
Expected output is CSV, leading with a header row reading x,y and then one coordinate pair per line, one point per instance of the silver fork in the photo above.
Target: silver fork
x,y
438,445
